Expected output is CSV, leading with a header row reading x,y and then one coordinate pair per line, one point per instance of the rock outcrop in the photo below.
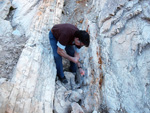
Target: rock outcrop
x,y
116,64
120,48
32,86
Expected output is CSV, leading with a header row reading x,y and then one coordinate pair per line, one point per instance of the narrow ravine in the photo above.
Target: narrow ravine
x,y
116,64
88,96
118,50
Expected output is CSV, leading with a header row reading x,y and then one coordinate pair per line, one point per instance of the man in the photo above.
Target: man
x,y
66,40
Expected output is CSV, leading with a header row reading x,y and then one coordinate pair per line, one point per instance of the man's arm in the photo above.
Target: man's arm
x,y
63,53
78,56
79,65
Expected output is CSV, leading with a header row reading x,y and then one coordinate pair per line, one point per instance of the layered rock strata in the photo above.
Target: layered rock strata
x,y
116,63
32,86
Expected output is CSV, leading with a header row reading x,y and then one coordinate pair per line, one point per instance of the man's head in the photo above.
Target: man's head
x,y
82,38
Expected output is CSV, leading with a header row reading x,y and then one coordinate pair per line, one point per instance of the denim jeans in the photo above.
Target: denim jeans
x,y
58,59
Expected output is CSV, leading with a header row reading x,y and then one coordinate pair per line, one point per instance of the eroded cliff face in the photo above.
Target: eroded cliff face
x,y
120,47
32,86
117,62
126,54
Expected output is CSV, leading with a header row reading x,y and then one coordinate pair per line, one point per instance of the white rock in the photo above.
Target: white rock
x,y
1,48
33,81
4,8
2,80
125,86
76,108
5,28
16,33
94,112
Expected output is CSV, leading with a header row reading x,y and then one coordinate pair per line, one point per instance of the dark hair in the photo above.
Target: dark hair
x,y
83,37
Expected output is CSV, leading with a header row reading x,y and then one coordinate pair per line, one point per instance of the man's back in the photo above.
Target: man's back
x,y
64,33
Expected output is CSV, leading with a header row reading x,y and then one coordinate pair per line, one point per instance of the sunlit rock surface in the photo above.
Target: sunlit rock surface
x,y
32,86
116,64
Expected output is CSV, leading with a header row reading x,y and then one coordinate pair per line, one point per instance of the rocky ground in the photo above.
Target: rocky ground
x,y
12,41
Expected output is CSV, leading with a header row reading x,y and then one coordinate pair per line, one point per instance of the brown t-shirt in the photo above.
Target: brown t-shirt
x,y
64,33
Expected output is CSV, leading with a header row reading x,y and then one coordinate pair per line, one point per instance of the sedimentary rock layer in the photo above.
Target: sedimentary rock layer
x,y
32,86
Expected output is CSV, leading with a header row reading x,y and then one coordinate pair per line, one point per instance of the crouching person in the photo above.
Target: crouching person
x,y
66,41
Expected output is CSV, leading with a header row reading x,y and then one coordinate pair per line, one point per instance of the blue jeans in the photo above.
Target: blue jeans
x,y
58,59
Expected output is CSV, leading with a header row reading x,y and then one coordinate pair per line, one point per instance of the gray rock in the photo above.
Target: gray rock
x,y
4,8
5,28
116,62
76,95
16,33
32,86
76,108
2,80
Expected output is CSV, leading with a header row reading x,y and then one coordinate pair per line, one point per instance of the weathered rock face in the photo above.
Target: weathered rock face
x,y
116,63
10,43
32,86
120,42
126,55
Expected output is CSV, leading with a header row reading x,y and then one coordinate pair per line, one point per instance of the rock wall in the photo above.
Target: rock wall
x,y
125,53
120,47
11,41
117,67
32,86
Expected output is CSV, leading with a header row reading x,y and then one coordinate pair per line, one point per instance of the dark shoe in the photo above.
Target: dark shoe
x,y
64,80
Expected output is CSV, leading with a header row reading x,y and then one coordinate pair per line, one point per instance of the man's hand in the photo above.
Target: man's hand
x,y
75,60
81,71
